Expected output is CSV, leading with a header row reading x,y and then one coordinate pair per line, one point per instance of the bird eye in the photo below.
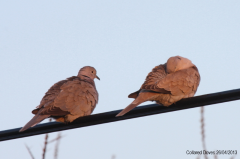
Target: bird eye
x,y
92,71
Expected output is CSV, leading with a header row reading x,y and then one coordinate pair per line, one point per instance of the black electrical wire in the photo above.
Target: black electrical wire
x,y
107,117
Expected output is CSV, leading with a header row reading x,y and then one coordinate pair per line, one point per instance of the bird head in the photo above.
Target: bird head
x,y
177,63
89,72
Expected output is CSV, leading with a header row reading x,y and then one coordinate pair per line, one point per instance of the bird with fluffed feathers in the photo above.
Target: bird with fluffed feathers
x,y
167,83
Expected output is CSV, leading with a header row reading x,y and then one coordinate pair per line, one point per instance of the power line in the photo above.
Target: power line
x,y
107,117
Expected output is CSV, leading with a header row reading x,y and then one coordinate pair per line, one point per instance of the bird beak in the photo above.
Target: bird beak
x,y
97,77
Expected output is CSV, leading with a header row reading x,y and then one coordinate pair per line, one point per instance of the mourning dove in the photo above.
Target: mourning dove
x,y
68,99
168,83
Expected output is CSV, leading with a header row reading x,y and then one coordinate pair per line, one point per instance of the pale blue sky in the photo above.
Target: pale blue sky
x,y
42,42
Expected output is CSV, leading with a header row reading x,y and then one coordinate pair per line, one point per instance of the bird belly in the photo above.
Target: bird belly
x,y
167,99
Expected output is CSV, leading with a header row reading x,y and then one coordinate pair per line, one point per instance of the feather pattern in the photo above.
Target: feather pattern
x,y
68,99
167,83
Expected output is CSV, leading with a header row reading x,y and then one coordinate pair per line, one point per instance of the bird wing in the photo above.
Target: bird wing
x,y
53,92
181,82
49,97
134,94
75,97
184,81
155,76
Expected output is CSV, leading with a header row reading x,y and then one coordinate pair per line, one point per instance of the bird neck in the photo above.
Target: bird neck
x,y
87,79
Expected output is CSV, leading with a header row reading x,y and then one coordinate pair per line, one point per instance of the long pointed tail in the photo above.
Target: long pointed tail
x,y
142,97
127,109
35,120
135,103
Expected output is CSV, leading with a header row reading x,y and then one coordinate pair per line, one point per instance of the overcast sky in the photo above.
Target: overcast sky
x,y
43,42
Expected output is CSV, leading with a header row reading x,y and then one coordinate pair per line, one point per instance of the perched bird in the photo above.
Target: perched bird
x,y
168,83
68,99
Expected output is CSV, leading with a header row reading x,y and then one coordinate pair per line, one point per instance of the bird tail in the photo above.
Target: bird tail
x,y
127,109
142,97
135,103
34,121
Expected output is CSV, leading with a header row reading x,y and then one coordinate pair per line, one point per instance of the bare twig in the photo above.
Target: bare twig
x,y
29,151
45,144
57,145
57,138
203,131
